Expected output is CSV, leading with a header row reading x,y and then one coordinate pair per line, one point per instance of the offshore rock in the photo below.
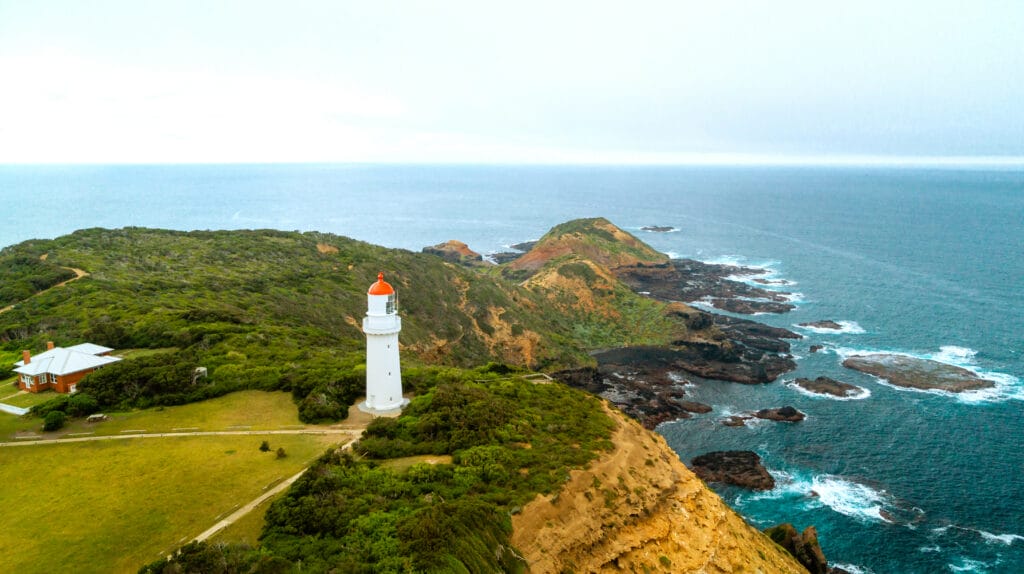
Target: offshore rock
x,y
658,228
914,373
750,306
827,386
826,324
786,414
738,467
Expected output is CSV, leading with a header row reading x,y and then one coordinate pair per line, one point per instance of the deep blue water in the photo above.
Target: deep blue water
x,y
926,262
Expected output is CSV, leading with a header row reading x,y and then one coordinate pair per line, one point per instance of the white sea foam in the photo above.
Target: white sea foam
x,y
968,565
1006,539
844,496
850,498
854,569
794,297
860,394
846,328
764,268
930,549
673,255
678,378
954,355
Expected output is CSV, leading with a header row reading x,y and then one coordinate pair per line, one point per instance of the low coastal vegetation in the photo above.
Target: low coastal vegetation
x,y
508,440
275,310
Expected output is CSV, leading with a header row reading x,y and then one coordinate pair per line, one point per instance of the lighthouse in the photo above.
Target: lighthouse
x,y
383,370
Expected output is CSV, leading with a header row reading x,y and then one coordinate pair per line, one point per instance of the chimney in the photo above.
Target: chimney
x,y
49,345
26,357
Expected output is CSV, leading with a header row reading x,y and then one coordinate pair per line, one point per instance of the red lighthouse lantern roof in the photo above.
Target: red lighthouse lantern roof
x,y
381,287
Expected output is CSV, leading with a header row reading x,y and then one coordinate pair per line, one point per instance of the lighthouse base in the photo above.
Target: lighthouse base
x,y
386,411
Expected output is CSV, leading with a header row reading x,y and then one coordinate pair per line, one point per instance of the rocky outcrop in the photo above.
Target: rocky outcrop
x,y
658,228
804,547
509,256
639,508
786,414
689,280
739,467
826,324
457,252
749,306
597,240
650,390
827,386
915,373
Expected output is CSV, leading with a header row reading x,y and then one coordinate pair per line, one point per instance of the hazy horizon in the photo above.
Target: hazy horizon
x,y
660,83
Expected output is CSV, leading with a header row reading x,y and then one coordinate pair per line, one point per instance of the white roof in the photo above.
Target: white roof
x,y
61,361
90,349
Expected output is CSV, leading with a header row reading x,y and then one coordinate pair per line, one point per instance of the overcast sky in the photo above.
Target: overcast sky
x,y
478,81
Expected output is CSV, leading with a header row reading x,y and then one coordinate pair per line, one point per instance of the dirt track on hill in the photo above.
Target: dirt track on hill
x,y
78,275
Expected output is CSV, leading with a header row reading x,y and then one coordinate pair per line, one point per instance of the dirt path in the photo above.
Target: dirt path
x,y
238,514
78,275
31,441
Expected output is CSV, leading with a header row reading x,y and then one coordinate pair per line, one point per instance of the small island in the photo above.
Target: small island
x,y
915,373
658,228
829,386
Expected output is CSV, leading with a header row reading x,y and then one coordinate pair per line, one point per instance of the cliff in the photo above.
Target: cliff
x,y
638,508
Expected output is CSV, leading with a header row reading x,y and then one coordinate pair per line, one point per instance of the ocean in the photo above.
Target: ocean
x,y
927,262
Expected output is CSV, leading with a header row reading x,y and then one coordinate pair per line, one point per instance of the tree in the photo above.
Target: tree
x,y
281,453
264,446
54,421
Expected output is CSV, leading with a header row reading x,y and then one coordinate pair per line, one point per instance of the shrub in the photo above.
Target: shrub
x,y
54,421
264,446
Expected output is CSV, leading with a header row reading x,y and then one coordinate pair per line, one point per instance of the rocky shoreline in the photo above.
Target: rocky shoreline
x,y
692,281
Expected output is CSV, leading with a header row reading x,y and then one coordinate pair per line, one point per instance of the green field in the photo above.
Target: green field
x,y
114,505
25,400
243,410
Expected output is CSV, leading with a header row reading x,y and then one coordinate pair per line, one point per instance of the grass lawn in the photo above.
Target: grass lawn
x,y
111,506
243,410
26,400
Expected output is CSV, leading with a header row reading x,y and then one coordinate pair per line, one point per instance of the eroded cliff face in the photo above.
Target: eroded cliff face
x,y
639,509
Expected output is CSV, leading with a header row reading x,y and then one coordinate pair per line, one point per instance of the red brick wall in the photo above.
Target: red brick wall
x,y
64,382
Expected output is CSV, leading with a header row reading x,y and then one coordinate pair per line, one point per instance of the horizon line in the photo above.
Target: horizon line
x,y
652,160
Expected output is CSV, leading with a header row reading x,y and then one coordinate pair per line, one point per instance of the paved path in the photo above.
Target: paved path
x,y
238,514
12,409
30,442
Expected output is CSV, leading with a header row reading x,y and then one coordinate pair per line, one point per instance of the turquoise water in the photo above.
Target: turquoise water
x,y
926,262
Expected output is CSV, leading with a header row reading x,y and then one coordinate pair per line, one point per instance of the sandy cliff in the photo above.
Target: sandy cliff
x,y
639,509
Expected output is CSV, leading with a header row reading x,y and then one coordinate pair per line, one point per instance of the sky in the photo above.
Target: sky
x,y
722,81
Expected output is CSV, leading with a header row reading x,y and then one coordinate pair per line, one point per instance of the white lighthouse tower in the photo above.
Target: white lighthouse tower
x,y
383,370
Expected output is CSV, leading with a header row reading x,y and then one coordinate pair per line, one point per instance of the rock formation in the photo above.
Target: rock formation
x,y
455,252
784,414
639,508
915,373
804,547
739,467
827,386
826,324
